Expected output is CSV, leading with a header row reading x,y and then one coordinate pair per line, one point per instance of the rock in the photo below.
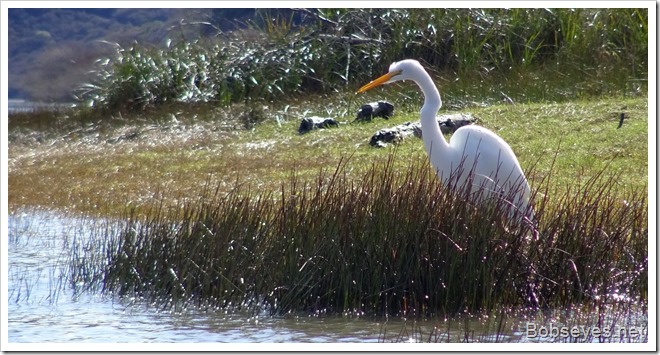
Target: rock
x,y
393,135
309,123
375,109
448,124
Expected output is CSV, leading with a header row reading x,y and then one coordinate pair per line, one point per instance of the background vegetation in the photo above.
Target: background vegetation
x,y
51,50
328,50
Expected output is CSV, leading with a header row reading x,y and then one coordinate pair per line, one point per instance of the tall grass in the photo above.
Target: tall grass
x,y
389,243
329,49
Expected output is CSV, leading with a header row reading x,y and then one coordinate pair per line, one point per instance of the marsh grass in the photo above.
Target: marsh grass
x,y
392,242
328,50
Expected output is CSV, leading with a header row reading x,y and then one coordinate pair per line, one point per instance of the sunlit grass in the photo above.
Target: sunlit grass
x,y
331,49
382,242
176,159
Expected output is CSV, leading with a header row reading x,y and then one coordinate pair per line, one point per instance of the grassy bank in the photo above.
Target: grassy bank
x,y
324,223
111,167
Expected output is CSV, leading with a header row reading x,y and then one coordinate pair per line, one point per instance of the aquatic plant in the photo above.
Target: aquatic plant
x,y
387,243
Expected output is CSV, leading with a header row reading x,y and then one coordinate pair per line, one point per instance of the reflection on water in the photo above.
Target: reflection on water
x,y
42,307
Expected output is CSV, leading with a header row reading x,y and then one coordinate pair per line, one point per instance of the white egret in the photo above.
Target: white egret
x,y
474,155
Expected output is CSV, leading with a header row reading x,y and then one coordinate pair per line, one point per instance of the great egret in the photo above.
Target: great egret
x,y
474,155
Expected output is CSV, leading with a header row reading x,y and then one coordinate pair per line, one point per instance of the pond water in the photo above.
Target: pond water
x,y
42,307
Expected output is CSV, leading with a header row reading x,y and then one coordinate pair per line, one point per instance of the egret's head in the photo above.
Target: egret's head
x,y
403,70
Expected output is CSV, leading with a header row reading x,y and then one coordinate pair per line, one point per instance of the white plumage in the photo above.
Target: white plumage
x,y
474,156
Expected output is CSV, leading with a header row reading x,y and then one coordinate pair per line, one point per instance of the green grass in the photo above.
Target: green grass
x,y
386,241
333,48
176,159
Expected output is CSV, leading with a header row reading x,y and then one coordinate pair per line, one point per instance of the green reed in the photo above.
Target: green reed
x,y
387,243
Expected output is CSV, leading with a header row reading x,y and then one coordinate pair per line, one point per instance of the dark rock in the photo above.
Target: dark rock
x,y
447,123
393,135
309,123
450,123
365,113
375,109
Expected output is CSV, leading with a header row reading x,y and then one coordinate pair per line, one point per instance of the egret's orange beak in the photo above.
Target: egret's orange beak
x,y
377,82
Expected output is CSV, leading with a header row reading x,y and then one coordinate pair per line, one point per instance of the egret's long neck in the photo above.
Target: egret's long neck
x,y
433,138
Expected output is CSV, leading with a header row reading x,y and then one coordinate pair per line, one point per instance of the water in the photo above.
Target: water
x,y
43,308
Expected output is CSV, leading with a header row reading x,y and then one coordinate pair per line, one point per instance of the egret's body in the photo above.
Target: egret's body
x,y
474,157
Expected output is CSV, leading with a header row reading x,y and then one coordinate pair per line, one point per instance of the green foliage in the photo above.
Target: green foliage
x,y
52,50
330,48
142,77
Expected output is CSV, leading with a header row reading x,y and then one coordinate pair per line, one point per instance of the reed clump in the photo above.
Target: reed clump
x,y
391,242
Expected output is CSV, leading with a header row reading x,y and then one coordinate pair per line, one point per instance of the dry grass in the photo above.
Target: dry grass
x,y
103,168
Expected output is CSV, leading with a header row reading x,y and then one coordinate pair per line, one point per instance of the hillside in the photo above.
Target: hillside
x,y
52,50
